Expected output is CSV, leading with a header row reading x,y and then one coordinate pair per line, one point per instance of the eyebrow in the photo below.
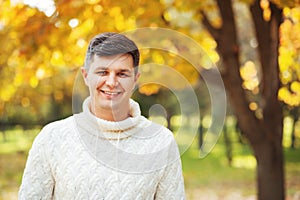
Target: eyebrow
x,y
125,70
103,68
106,68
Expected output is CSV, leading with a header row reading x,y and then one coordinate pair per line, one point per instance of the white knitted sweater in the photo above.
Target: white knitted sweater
x,y
84,157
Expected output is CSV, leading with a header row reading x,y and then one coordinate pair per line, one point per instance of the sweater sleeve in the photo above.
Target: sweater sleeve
x,y
171,184
37,181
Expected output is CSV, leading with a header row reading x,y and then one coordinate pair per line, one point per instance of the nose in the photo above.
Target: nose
x,y
111,80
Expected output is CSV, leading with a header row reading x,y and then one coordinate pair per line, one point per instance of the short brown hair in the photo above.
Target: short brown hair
x,y
108,44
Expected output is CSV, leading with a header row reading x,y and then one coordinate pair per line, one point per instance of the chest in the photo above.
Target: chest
x,y
79,175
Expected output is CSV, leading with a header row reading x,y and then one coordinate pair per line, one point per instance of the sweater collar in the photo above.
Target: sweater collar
x,y
109,129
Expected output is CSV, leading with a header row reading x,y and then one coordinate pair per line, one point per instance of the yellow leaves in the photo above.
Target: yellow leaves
x,y
33,82
290,39
73,22
82,29
167,16
25,101
248,1
149,89
294,13
116,14
57,59
265,5
189,73
58,95
115,11
38,52
10,14
286,60
157,58
13,59
292,96
7,92
18,80
119,21
93,1
98,8
167,69
88,24
286,77
289,55
249,75
253,106
295,87
81,43
40,73
289,51
286,3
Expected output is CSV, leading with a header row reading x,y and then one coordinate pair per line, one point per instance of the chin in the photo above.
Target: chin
x,y
109,104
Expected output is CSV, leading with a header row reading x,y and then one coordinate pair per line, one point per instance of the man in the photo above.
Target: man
x,y
108,151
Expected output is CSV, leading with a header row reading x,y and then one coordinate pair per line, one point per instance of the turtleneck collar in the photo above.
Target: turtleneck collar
x,y
108,129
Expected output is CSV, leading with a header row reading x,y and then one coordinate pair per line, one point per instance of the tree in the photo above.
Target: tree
x,y
256,89
263,132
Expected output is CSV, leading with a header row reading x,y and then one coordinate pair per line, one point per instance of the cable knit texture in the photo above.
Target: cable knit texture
x,y
84,157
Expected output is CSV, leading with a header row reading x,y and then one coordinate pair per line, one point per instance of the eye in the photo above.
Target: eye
x,y
101,73
123,74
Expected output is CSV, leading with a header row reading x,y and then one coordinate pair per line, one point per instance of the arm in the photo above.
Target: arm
x,y
171,184
37,181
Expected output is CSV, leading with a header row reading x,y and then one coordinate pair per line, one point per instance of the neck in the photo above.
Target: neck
x,y
112,114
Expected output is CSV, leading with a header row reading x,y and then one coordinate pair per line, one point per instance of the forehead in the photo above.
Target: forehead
x,y
114,61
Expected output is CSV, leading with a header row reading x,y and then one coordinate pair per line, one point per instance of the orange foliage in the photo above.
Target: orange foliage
x,y
41,55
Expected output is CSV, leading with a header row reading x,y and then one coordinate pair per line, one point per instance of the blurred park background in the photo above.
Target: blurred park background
x,y
254,43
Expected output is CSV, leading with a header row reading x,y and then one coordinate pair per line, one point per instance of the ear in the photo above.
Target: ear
x,y
137,76
84,75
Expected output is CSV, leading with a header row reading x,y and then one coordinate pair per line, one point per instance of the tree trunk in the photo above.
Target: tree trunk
x,y
200,133
3,133
264,134
295,116
270,172
269,154
169,125
228,145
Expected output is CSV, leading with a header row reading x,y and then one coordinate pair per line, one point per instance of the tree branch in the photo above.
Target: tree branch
x,y
225,7
212,30
267,34
228,49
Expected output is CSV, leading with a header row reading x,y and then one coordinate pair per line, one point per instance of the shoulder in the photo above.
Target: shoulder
x,y
159,144
156,131
58,124
53,130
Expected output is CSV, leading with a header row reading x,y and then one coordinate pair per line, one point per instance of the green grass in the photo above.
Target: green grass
x,y
17,140
211,174
214,174
13,153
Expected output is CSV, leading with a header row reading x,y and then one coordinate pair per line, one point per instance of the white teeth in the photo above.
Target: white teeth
x,y
111,93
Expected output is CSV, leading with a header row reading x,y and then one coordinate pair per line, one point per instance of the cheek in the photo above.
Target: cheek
x,y
128,85
94,81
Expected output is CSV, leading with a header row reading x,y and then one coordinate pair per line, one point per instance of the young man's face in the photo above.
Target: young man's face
x,y
111,80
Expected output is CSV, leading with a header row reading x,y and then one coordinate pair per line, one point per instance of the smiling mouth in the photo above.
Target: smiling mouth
x,y
110,93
